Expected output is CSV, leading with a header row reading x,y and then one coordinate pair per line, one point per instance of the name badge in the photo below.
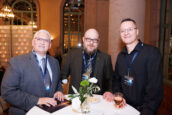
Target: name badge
x,y
85,76
47,87
128,80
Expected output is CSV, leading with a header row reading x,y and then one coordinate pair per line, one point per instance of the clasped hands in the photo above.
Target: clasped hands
x,y
51,101
108,96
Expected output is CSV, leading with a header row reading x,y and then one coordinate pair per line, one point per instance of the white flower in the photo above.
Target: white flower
x,y
74,90
64,81
93,80
76,103
97,88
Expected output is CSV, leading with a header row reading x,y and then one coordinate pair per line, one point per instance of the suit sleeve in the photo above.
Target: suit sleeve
x,y
11,91
154,89
59,83
108,70
66,66
116,80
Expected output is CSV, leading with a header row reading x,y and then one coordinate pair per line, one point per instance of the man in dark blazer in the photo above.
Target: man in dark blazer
x,y
88,61
138,72
24,84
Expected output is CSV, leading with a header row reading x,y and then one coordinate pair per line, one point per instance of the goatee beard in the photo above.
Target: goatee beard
x,y
90,53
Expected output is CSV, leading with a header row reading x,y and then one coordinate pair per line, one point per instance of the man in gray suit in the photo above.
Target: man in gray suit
x,y
28,81
86,62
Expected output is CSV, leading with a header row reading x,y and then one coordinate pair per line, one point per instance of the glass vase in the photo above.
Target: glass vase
x,y
85,107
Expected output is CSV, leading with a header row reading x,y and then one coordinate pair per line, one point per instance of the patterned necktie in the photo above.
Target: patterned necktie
x,y
88,72
47,80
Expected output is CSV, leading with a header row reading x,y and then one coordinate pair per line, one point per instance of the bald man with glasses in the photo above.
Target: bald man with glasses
x,y
88,61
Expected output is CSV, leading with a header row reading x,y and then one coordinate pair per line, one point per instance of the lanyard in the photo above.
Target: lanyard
x,y
41,69
89,62
132,60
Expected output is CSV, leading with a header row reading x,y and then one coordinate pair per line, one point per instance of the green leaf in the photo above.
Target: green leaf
x,y
82,98
85,89
84,83
71,96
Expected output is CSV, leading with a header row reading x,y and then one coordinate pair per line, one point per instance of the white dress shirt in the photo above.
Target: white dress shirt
x,y
48,64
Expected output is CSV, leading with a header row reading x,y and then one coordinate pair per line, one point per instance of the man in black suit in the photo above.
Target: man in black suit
x,y
86,62
33,78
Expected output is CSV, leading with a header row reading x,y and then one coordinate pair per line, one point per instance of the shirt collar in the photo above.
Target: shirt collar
x,y
137,48
38,56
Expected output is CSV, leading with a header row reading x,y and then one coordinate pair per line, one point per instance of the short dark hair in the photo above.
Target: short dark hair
x,y
128,19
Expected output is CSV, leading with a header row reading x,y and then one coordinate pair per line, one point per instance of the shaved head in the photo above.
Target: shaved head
x,y
91,41
92,33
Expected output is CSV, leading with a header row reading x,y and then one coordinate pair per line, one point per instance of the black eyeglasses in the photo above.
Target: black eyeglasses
x,y
92,40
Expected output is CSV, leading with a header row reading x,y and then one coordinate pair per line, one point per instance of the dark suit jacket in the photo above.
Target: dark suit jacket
x,y
103,71
22,83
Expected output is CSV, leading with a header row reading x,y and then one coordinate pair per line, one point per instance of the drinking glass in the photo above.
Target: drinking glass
x,y
118,98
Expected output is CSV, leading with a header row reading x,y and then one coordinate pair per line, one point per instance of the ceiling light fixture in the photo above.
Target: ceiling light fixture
x,y
6,11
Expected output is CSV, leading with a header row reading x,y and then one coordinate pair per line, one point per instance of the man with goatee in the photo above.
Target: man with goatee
x,y
84,63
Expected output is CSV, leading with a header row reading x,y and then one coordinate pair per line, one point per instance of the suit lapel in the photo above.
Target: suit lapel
x,y
54,76
98,63
35,64
37,69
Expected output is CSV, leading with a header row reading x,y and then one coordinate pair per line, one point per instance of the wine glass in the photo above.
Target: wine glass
x,y
118,98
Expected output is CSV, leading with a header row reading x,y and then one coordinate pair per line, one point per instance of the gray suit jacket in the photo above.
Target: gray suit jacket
x,y
22,83
103,71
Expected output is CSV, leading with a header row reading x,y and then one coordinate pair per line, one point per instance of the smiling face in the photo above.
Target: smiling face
x,y
41,43
128,32
91,41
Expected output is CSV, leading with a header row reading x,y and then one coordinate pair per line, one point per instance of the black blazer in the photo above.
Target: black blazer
x,y
103,71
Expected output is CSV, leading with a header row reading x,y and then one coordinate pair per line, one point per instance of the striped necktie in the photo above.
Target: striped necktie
x,y
47,80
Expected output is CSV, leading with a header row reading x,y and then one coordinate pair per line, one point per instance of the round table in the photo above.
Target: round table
x,y
98,108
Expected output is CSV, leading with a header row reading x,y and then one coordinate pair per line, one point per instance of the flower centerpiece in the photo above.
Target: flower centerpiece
x,y
79,99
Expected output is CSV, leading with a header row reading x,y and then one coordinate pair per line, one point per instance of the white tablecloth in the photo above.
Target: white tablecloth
x,y
100,108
